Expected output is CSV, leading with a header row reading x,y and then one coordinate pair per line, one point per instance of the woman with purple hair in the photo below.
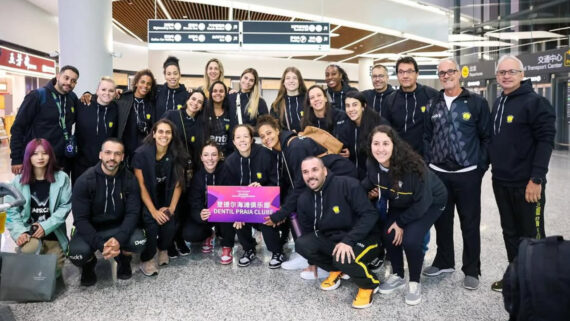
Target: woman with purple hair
x,y
39,225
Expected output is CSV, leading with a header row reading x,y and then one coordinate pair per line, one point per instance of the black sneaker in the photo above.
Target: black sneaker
x,y
172,252
246,258
124,271
88,276
497,286
183,248
276,260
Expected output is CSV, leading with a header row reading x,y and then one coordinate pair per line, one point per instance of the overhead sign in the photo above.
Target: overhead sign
x,y
193,34
478,71
26,63
546,62
286,35
235,35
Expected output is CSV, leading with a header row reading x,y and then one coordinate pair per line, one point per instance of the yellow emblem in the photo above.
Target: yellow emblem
x,y
423,109
258,175
466,116
336,210
193,139
510,118
465,72
110,124
179,106
302,113
147,116
72,109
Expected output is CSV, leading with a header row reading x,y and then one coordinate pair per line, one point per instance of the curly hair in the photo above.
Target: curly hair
x,y
404,159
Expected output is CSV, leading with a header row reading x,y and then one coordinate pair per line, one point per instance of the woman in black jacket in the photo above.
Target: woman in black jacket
x,y
247,104
288,106
253,165
159,168
172,95
318,111
337,85
217,117
410,199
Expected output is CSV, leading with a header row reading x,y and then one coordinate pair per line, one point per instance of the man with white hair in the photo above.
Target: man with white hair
x,y
456,135
521,144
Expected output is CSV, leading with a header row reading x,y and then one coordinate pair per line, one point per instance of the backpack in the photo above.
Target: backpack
x,y
536,285
323,138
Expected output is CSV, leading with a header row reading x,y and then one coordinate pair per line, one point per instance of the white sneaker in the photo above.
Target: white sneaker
x,y
295,262
310,275
414,295
393,283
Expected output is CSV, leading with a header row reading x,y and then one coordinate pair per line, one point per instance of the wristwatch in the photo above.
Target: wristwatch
x,y
536,180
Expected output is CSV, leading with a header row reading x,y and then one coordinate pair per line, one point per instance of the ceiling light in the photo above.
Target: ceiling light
x,y
518,35
464,37
484,43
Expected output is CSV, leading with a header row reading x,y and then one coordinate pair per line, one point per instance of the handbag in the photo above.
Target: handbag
x,y
323,138
27,277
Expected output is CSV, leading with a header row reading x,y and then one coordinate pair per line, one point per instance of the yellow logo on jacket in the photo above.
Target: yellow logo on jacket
x,y
147,116
510,118
466,115
423,109
227,126
259,175
301,113
72,109
193,139
179,106
110,124
336,209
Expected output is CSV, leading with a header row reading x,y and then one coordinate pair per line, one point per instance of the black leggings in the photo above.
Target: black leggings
x,y
160,236
80,252
412,242
270,236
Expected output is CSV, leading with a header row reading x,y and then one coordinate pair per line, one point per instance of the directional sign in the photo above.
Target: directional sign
x,y
286,35
193,34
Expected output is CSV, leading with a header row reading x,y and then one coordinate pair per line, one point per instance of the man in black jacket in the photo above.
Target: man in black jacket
x,y
457,132
405,108
339,229
521,144
375,98
48,112
106,209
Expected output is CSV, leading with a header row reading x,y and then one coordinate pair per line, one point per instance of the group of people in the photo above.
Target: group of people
x,y
141,162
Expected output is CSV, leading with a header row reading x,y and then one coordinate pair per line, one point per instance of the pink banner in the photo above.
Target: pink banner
x,y
242,203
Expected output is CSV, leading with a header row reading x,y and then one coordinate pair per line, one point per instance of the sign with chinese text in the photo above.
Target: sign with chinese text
x,y
286,35
242,203
19,61
193,34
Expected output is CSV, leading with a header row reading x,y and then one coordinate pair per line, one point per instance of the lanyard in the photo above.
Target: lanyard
x,y
61,115
238,109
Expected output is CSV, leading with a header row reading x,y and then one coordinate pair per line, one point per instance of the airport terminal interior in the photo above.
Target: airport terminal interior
x,y
115,38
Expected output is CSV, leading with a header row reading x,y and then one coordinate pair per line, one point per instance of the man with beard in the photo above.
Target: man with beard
x,y
48,112
106,209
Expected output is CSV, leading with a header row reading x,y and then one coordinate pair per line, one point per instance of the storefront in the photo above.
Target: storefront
x,y
20,72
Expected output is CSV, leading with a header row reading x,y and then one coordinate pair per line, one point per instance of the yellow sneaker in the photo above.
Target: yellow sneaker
x,y
332,282
364,298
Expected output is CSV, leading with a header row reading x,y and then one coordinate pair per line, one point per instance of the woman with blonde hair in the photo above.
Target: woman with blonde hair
x,y
288,106
247,104
214,71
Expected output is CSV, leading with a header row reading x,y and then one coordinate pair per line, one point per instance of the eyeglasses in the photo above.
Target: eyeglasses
x,y
406,72
449,72
511,72
378,76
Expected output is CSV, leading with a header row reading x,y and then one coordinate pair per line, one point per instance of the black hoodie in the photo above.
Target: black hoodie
x,y
133,112
294,150
170,99
405,112
413,196
190,130
376,100
336,98
293,112
94,124
337,118
145,160
38,117
523,136
197,196
340,211
258,167
244,100
103,202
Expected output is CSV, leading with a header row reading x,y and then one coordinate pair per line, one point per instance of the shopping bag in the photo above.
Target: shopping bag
x,y
27,277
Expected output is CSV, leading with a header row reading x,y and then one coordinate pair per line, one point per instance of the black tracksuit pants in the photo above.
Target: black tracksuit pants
x,y
158,236
412,243
518,217
318,251
80,252
463,192
270,236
